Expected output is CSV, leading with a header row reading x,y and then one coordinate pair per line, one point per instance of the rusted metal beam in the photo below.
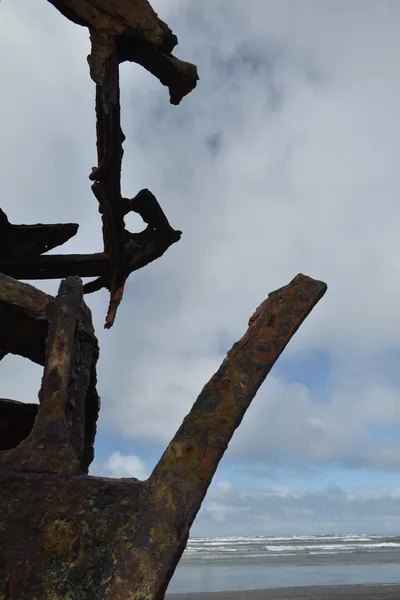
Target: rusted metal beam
x,y
62,438
64,537
139,250
119,31
57,266
28,241
140,36
23,319
189,462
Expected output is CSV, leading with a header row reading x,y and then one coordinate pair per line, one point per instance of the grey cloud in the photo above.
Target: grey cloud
x,y
287,425
279,510
213,142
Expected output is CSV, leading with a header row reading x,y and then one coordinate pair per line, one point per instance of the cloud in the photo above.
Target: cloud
x,y
118,465
288,425
284,510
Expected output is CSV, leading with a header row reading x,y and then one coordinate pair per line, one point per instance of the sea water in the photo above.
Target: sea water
x,y
229,563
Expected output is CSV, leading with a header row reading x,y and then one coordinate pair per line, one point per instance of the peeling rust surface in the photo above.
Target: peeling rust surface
x,y
87,537
76,536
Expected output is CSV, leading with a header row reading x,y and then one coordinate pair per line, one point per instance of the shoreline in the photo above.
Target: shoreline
x,y
367,591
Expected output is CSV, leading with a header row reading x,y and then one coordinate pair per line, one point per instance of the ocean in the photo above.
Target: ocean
x,y
232,563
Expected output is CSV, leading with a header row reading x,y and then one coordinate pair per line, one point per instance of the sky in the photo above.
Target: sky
x,y
284,159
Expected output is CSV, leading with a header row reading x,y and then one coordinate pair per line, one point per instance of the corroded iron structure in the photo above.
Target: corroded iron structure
x,y
65,535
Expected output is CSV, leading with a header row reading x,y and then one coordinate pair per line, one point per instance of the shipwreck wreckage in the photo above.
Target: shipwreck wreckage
x,y
65,535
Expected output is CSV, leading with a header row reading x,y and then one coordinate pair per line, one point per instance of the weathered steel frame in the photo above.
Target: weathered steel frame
x,y
63,534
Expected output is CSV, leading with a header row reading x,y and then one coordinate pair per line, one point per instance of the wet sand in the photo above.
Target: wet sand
x,y
383,591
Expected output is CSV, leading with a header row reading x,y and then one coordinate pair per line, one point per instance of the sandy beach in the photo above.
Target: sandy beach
x,y
382,591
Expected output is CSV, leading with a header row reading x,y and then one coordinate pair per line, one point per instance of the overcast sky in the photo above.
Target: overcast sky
x,y
284,159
